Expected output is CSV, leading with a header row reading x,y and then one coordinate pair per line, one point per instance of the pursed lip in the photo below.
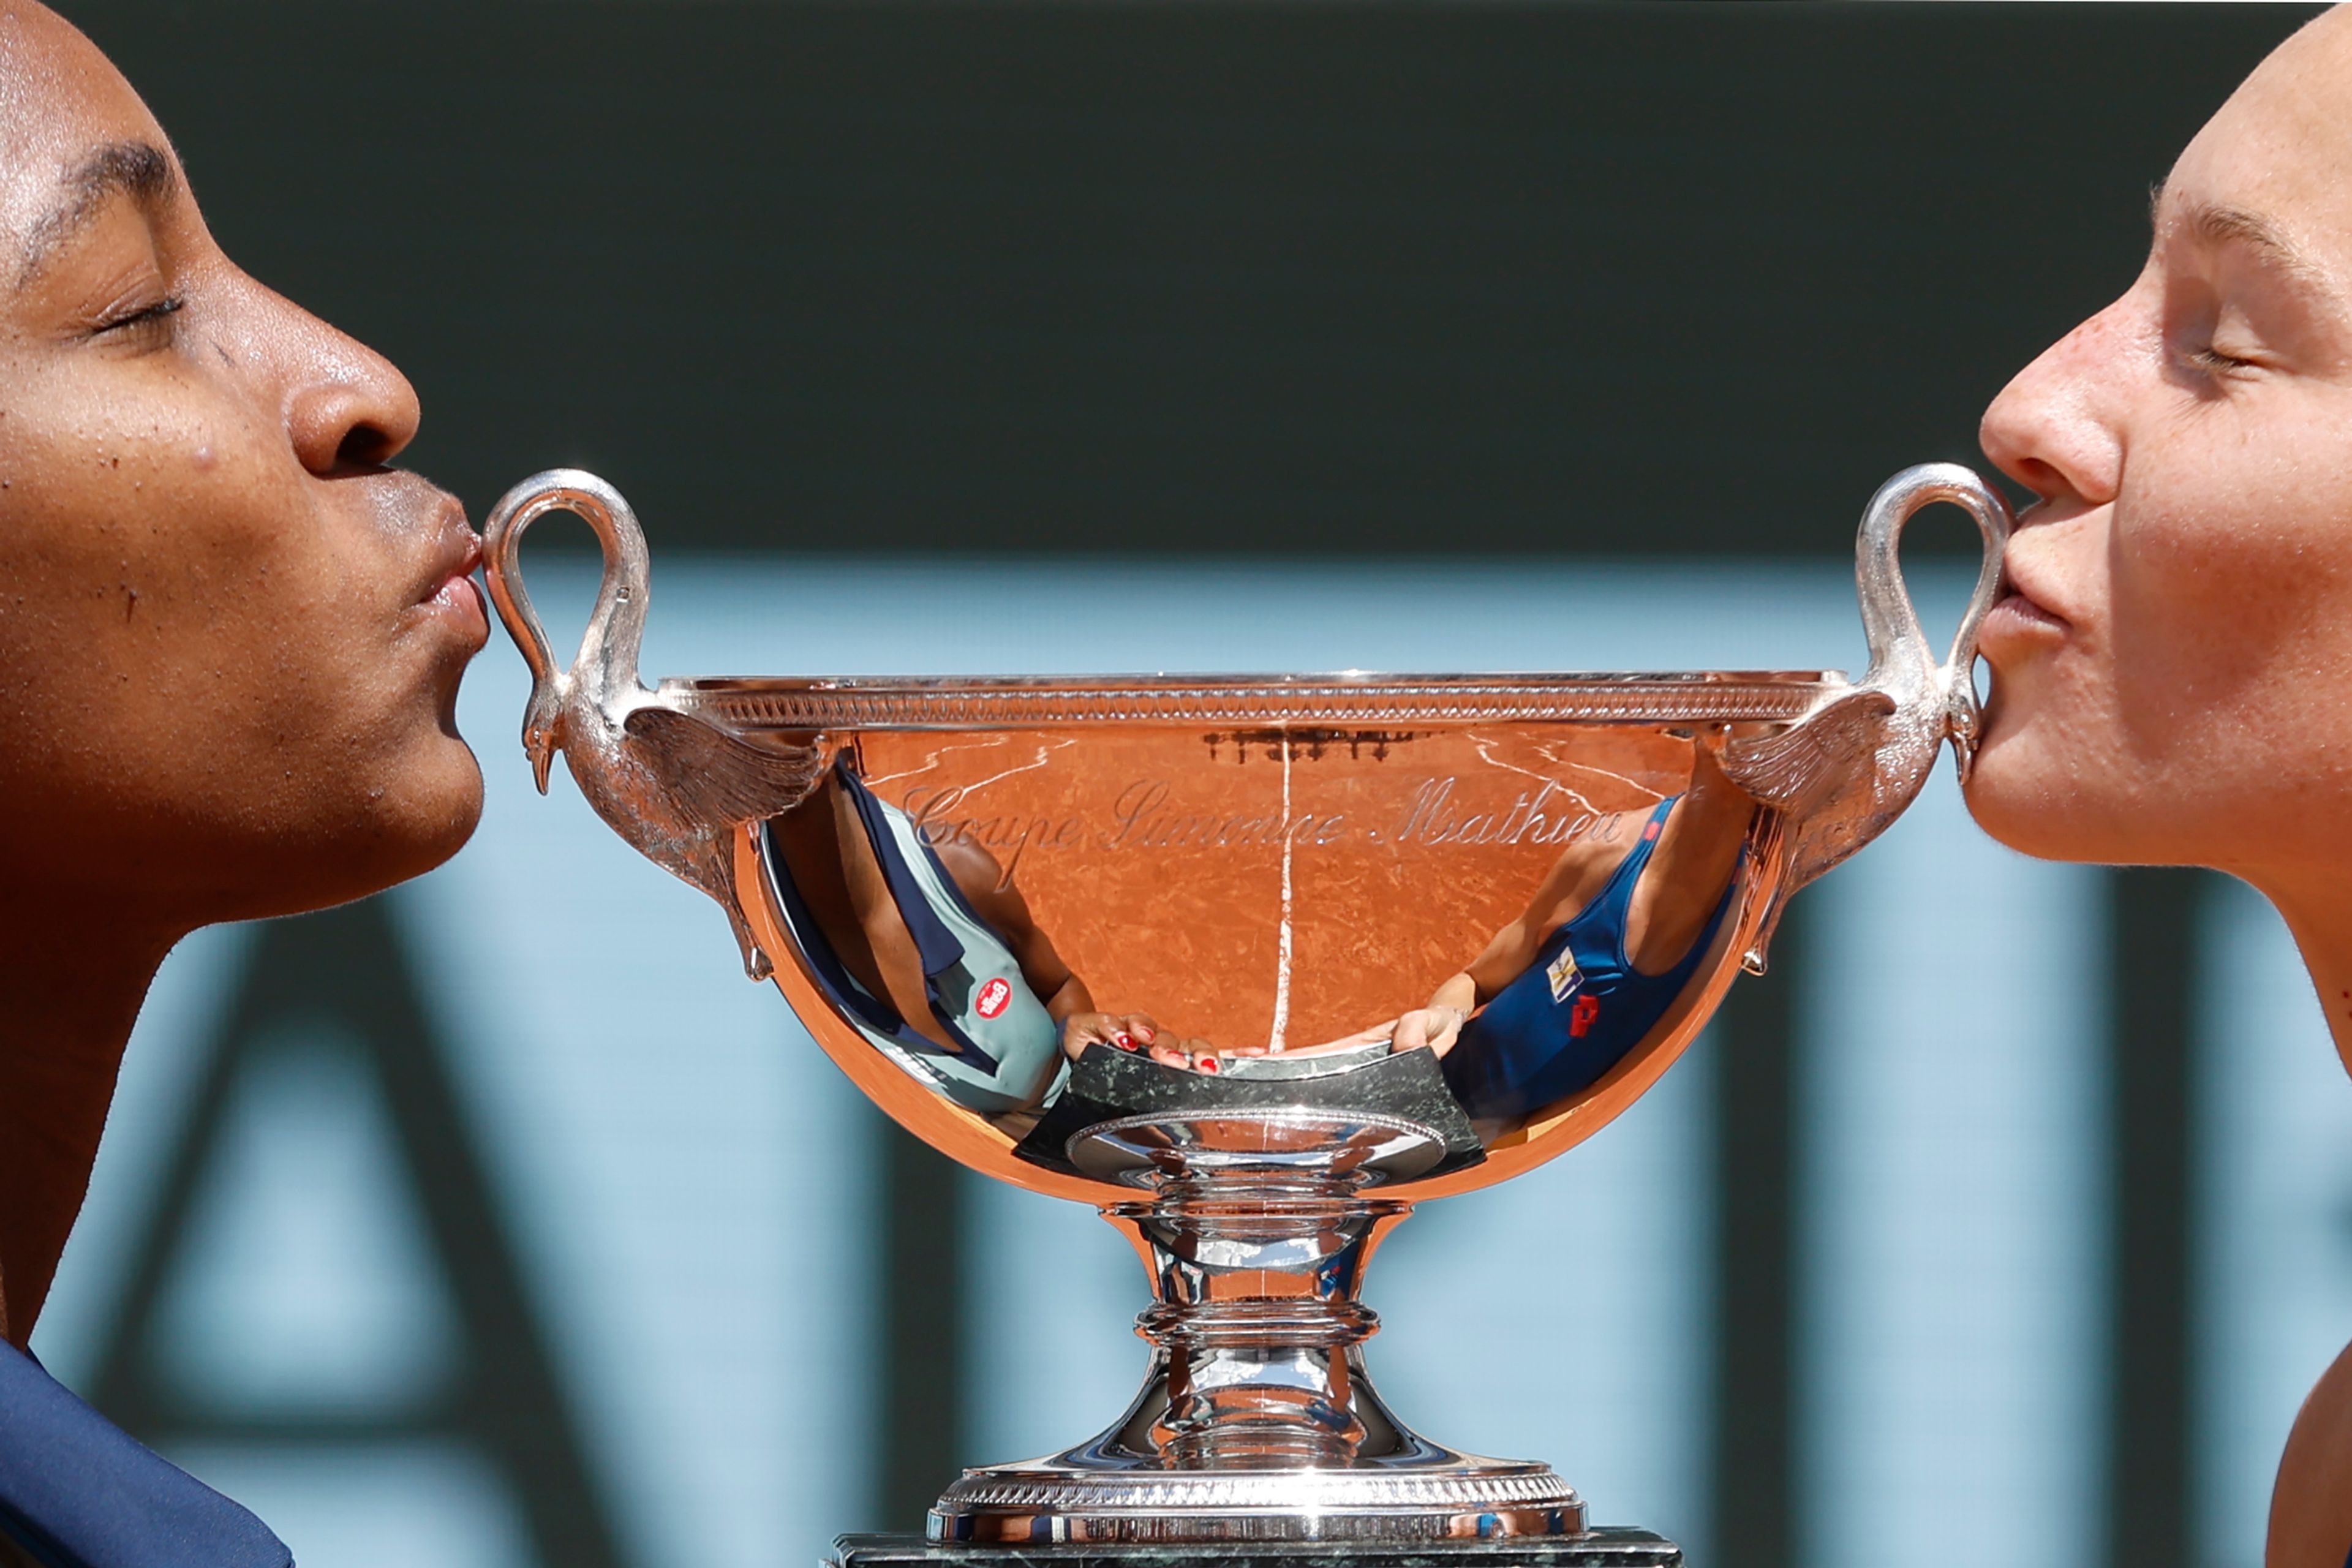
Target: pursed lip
x,y
2022,599
449,588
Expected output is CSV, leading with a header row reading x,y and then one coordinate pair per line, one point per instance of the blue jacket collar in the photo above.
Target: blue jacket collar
x,y
77,1491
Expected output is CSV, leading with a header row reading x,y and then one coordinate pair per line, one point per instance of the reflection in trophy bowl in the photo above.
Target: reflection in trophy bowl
x,y
1287,953
1545,907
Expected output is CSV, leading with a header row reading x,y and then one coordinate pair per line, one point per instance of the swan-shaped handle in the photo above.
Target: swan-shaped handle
x,y
1900,656
668,781
607,662
1841,774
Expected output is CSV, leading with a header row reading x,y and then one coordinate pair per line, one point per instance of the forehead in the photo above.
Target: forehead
x,y
60,102
2283,143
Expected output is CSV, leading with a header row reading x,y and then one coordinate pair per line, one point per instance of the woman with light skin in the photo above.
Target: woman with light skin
x,y
2170,667
230,645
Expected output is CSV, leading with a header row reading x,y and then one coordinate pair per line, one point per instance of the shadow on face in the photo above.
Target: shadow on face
x,y
232,637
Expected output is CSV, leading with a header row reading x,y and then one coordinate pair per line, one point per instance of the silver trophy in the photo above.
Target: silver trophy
x,y
1254,965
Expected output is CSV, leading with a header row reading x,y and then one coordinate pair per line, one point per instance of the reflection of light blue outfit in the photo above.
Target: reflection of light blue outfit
x,y
77,1492
1007,1050
1577,1009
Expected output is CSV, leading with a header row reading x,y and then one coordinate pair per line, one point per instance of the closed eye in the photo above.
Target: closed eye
x,y
149,326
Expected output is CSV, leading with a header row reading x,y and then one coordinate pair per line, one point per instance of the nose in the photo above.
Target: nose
x,y
2056,428
348,408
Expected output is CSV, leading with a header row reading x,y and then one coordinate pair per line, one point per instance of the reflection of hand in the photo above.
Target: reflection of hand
x,y
1191,1055
1435,1027
1140,1033
1120,1031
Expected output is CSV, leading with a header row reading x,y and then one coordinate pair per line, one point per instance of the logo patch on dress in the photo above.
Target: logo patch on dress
x,y
994,997
1564,975
1580,1017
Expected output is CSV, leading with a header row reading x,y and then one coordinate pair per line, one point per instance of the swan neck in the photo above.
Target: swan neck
x,y
1898,642
606,670
1899,653
604,674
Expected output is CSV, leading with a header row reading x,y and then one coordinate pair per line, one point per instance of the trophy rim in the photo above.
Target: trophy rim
x,y
1349,697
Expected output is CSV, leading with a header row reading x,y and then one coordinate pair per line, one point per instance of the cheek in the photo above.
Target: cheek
x,y
2231,571
165,582
168,557
133,465
2186,721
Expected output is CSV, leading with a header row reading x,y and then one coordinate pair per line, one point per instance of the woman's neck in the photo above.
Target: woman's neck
x,y
74,987
2320,918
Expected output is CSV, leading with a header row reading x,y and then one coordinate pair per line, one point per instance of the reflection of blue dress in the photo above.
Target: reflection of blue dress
x,y
1579,1008
1007,1050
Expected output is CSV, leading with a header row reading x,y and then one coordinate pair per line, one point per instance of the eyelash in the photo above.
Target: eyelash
x,y
2213,362
154,318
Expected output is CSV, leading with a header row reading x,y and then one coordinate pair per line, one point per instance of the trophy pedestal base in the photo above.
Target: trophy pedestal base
x,y
1257,1422
1587,1549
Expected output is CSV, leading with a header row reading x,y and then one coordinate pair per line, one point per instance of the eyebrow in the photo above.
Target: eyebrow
x,y
2218,224
138,170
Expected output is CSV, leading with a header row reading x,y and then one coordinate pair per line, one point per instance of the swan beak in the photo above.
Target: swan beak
x,y
1966,726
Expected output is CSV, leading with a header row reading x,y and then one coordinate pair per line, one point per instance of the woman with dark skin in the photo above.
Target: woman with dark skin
x,y
2169,664
838,878
231,635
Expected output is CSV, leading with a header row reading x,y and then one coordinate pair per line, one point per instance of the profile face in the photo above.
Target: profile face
x,y
231,637
2168,671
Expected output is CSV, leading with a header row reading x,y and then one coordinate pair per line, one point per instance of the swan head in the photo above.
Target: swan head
x,y
544,730
1964,720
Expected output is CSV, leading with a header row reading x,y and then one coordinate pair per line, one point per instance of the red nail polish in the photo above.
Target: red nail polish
x,y
1208,1064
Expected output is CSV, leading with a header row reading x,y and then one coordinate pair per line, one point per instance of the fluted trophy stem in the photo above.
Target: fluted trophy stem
x,y
1258,1420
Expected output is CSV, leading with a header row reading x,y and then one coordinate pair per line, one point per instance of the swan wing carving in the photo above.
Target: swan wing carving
x,y
1797,766
721,778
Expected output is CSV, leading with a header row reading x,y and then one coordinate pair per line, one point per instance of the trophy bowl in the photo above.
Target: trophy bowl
x,y
1253,964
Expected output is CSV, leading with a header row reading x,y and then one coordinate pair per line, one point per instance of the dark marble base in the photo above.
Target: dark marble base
x,y
1593,1549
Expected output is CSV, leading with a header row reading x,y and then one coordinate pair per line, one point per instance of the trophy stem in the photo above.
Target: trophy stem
x,y
1257,1420
1260,1365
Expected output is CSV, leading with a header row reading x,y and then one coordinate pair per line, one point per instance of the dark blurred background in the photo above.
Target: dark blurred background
x,y
866,288
1235,278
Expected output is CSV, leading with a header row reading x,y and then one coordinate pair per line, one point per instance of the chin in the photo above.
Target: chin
x,y
2040,803
439,810
386,834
